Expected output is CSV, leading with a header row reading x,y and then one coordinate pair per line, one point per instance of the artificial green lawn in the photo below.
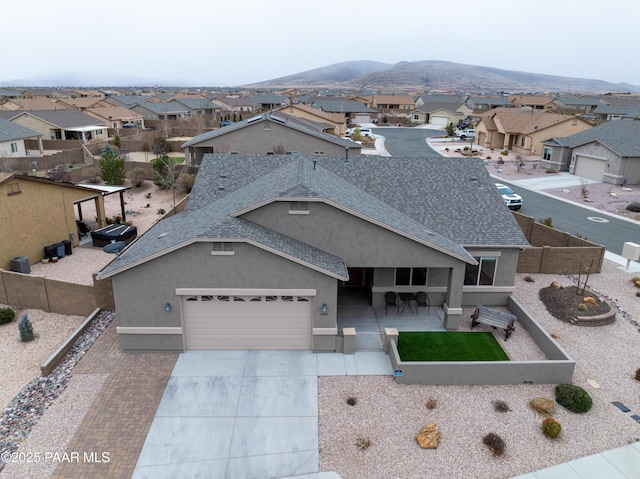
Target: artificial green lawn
x,y
450,346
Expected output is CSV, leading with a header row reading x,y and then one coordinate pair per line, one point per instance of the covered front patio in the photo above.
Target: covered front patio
x,y
355,311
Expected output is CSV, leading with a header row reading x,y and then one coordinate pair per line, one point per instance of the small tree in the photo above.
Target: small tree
x,y
159,147
117,142
107,151
450,129
137,176
26,328
112,170
167,173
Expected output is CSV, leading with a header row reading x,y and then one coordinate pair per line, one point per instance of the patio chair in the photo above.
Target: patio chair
x,y
422,300
83,228
391,299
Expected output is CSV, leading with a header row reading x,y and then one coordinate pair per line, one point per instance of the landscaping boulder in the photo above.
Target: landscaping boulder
x,y
429,436
555,284
542,405
589,300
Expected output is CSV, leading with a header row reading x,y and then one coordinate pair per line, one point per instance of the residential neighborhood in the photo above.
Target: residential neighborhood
x,y
228,264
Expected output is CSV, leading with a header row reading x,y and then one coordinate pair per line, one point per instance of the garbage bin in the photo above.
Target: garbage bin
x,y
67,247
59,250
50,251
20,264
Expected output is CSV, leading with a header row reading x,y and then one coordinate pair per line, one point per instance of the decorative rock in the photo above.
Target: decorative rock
x,y
589,300
555,284
429,436
613,195
542,405
637,283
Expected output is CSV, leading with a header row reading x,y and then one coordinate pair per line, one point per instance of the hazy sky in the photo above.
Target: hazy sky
x,y
235,42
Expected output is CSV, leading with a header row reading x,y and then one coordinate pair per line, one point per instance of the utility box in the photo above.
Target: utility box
x,y
631,251
20,264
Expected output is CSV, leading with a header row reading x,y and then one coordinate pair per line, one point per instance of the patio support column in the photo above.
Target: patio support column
x,y
453,298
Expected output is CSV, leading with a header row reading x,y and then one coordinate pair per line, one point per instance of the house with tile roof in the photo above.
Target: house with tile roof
x,y
34,104
269,134
267,244
523,130
537,102
609,152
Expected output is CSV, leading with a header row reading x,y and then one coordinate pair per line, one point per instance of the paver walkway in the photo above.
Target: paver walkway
x,y
120,417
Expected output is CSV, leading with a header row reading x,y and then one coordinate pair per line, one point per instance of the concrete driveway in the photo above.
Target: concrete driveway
x,y
244,414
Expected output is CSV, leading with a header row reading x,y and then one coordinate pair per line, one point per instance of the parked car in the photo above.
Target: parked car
x,y
363,131
464,134
512,199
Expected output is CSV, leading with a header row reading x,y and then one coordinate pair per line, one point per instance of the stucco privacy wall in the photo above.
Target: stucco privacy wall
x,y
155,282
556,369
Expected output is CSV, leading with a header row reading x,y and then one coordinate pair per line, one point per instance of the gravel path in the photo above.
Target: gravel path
x,y
390,414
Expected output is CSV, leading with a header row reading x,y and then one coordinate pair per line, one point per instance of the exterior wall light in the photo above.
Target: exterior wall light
x,y
324,309
167,307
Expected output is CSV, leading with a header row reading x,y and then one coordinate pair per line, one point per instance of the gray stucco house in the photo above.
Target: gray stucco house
x,y
609,152
259,256
269,134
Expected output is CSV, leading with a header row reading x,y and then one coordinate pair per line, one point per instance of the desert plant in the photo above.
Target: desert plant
x,y
148,205
500,406
573,398
529,279
488,157
495,444
159,147
638,374
582,307
546,221
635,207
450,129
26,328
352,401
551,427
6,315
432,403
161,211
147,195
363,442
186,181
466,148
137,176
504,152
584,191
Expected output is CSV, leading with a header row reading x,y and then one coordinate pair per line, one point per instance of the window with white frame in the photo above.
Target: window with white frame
x,y
546,153
483,273
411,277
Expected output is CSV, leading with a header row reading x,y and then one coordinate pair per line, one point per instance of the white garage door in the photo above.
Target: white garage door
x,y
247,322
591,168
439,120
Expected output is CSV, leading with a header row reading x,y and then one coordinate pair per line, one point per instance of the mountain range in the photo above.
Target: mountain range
x,y
438,76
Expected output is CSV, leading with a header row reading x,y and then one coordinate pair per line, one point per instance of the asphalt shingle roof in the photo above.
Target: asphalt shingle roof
x,y
12,131
66,118
447,205
620,136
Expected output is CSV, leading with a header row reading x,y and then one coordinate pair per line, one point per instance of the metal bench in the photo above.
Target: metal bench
x,y
496,319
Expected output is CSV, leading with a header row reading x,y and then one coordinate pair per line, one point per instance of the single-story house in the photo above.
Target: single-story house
x,y
269,134
117,117
609,152
36,212
260,255
333,123
63,125
151,110
353,111
12,138
523,130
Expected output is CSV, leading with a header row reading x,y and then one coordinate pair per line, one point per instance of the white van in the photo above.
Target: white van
x,y
363,131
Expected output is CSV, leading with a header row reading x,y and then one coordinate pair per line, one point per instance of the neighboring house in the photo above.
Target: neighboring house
x,y
151,110
269,101
6,94
82,103
63,125
259,257
352,111
37,212
39,104
481,104
231,105
332,123
577,104
609,152
536,102
12,138
440,114
117,117
523,130
200,107
422,99
268,134
617,112
126,101
393,104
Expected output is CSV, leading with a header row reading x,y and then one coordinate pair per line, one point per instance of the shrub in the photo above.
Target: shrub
x,y
161,211
488,157
504,152
546,221
6,315
551,427
432,403
635,207
500,406
363,442
466,148
185,182
112,169
352,401
529,279
147,195
582,307
638,374
137,176
25,328
574,398
495,444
